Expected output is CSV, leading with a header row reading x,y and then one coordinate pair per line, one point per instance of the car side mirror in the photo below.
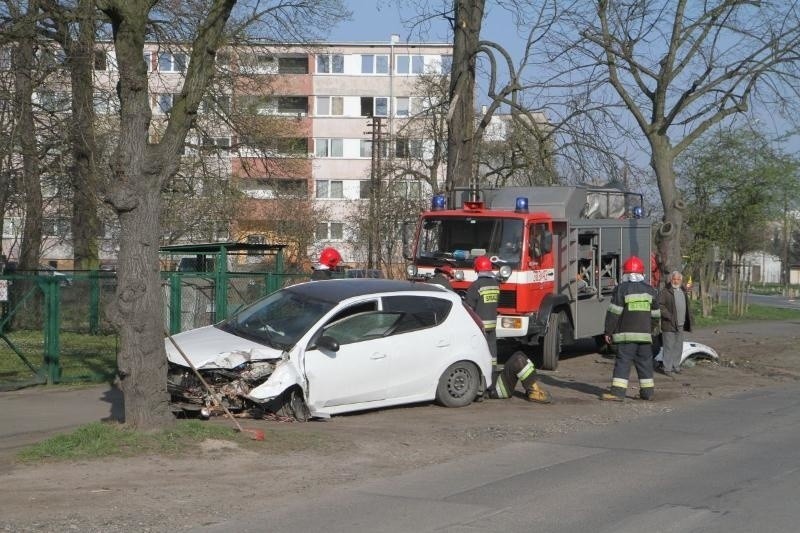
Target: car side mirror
x,y
328,344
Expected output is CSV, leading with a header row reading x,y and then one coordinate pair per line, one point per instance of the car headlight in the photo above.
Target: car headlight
x,y
505,272
459,275
411,271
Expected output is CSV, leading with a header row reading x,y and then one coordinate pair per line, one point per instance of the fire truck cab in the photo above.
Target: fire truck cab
x,y
557,252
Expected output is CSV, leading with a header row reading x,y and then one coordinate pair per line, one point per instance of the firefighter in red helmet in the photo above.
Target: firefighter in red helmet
x,y
483,296
329,258
442,276
630,321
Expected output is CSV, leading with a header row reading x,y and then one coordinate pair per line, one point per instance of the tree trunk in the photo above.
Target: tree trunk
x,y
31,187
669,234
460,145
85,218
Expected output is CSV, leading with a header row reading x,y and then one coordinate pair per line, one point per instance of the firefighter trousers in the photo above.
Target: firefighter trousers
x,y
517,368
641,355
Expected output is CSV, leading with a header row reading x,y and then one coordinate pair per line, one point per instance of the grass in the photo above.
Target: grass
x,y
107,439
720,315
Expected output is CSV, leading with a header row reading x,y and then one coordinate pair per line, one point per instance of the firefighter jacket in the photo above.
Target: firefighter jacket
x,y
666,302
633,313
482,296
320,274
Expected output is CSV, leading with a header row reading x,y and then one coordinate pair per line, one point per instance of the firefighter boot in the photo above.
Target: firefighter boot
x,y
538,395
615,394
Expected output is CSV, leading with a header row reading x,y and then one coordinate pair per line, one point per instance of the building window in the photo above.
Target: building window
x,y
270,188
330,231
330,64
366,148
364,189
218,104
374,106
276,146
218,143
410,64
54,101
408,106
169,62
5,58
328,147
293,65
164,102
55,227
408,148
330,106
446,64
374,64
329,189
105,103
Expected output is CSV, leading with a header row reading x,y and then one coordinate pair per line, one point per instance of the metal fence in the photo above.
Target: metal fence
x,y
56,329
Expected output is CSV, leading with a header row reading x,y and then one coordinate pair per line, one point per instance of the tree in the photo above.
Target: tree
x,y
141,166
680,67
731,207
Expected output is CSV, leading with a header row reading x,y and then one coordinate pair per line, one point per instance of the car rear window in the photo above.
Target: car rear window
x,y
419,312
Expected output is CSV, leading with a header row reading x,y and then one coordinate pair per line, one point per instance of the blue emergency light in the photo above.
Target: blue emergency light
x,y
522,205
438,202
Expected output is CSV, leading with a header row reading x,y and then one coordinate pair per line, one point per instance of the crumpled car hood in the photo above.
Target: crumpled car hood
x,y
210,347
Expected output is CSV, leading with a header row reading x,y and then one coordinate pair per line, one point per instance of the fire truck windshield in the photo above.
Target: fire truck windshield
x,y
459,240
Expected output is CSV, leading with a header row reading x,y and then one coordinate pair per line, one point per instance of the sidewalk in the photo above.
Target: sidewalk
x,y
32,414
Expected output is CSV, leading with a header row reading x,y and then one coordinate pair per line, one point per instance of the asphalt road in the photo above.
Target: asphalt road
x,y
768,300
727,465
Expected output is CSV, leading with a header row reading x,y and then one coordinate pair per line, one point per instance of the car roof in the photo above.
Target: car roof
x,y
336,290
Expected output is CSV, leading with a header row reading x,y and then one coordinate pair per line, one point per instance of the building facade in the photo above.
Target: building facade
x,y
281,122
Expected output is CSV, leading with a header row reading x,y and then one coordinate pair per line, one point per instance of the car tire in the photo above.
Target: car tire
x,y
551,343
294,405
458,385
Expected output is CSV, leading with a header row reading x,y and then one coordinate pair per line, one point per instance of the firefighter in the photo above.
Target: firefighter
x,y
630,321
329,258
482,296
441,276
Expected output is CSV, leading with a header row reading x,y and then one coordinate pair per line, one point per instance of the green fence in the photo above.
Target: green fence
x,y
55,328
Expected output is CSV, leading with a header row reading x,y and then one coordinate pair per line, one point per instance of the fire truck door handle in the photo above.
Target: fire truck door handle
x,y
441,343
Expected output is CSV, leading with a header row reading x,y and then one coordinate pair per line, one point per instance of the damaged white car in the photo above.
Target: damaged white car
x,y
327,347
692,351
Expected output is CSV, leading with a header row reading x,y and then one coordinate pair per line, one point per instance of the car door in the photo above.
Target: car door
x,y
358,371
421,342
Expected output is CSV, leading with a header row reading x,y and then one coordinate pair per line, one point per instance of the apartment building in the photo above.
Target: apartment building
x,y
280,118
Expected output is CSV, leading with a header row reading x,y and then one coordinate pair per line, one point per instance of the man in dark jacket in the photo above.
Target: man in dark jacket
x,y
629,324
441,276
676,317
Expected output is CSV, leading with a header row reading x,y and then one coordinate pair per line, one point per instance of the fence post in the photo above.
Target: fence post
x,y
221,287
94,302
175,310
52,348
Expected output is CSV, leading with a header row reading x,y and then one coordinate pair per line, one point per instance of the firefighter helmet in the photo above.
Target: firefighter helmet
x,y
633,265
483,264
330,257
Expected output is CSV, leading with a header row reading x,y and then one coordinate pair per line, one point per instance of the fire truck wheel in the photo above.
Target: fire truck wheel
x,y
459,385
551,344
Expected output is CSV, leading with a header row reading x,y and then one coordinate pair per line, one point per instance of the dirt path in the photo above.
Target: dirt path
x,y
169,494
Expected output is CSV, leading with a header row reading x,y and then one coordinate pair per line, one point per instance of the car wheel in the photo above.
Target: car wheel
x,y
551,344
293,404
459,385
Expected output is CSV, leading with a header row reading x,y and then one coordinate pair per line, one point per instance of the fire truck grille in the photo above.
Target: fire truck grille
x,y
508,299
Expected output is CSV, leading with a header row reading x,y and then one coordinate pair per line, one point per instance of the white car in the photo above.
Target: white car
x,y
325,347
692,350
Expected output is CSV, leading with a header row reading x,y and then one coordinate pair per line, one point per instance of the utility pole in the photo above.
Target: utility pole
x,y
374,234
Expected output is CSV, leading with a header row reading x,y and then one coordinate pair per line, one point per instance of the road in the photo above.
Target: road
x,y
767,300
727,465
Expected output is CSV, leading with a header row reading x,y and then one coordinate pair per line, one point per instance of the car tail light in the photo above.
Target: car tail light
x,y
474,316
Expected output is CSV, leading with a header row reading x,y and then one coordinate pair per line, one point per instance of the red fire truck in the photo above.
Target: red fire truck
x,y
557,252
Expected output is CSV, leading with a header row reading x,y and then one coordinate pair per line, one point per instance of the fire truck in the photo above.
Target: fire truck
x,y
557,251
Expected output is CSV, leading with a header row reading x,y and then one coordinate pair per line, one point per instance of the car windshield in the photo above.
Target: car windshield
x,y
458,240
279,320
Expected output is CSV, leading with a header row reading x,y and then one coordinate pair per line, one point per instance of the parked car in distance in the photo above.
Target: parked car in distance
x,y
364,273
63,279
321,348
